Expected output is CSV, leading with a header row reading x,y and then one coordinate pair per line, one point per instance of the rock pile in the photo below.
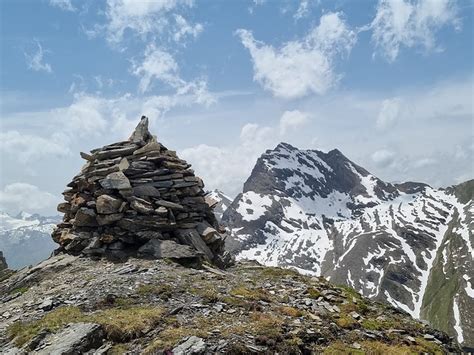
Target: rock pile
x,y
137,198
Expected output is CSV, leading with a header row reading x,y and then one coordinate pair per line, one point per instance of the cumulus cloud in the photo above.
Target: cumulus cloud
x,y
383,158
291,120
303,66
21,196
146,18
157,64
27,147
35,61
389,113
65,5
228,166
402,23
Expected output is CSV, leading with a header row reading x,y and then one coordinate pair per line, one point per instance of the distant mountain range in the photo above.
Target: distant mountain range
x,y
25,239
408,244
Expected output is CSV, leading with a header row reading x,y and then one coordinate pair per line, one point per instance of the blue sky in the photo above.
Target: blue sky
x,y
389,83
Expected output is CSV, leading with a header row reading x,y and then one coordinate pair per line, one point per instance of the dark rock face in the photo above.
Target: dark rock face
x,y
138,198
407,244
3,262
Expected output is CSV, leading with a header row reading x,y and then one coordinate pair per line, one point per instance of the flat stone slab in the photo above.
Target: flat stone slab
x,y
76,338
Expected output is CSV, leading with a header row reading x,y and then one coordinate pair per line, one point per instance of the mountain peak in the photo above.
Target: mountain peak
x,y
285,146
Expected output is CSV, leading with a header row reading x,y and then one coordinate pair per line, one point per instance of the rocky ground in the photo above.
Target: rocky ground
x,y
70,305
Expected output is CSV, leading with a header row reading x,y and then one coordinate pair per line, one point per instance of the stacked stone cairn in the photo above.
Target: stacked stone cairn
x,y
137,198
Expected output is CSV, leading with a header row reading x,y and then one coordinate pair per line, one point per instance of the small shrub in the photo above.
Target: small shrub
x,y
346,321
290,311
256,294
120,324
20,290
313,293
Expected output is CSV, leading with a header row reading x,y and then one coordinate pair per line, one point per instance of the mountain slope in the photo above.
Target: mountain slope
x,y
26,239
325,215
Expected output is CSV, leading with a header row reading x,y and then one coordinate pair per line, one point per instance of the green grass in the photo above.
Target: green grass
x,y
20,290
120,324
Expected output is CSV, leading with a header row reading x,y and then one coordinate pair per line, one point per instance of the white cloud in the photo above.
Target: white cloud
x,y
145,18
160,65
21,196
302,11
65,5
303,66
184,28
383,158
228,166
389,113
35,61
411,24
26,147
291,120
424,162
157,64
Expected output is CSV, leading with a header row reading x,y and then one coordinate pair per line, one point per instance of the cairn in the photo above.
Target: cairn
x,y
137,198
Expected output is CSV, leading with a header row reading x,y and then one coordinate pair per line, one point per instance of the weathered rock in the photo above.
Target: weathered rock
x,y
86,156
116,180
3,262
106,204
192,237
85,217
208,234
76,338
168,204
109,218
146,191
161,249
141,133
191,346
142,206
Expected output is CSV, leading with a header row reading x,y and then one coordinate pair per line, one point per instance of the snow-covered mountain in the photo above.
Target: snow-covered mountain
x,y
26,238
407,244
219,201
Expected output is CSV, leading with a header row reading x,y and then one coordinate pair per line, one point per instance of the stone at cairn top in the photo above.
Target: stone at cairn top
x,y
141,133
137,198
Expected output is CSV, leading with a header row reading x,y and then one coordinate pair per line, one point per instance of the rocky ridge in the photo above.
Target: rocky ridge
x,y
138,198
407,244
69,304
